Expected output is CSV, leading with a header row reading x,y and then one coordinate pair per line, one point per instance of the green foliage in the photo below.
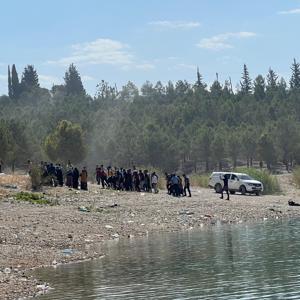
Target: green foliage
x,y
32,198
73,83
296,176
66,143
174,127
15,84
270,182
199,180
30,79
36,177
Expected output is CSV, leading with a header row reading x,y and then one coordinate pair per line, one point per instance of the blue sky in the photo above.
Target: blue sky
x,y
122,40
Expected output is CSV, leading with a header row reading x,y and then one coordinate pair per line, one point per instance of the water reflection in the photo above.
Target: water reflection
x,y
224,262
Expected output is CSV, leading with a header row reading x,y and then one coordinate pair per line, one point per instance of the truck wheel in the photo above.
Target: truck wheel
x,y
243,190
232,192
218,188
257,193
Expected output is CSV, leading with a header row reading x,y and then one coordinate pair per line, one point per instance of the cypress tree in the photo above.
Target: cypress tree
x,y
199,82
73,81
15,85
9,84
295,79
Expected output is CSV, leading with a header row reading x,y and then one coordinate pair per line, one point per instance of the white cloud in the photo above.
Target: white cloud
x,y
100,51
290,12
175,24
222,41
103,52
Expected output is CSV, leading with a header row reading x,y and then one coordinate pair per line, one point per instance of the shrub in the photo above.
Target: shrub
x,y
199,180
270,182
36,177
32,198
296,176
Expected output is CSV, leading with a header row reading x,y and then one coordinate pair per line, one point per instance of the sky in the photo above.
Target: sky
x,y
134,40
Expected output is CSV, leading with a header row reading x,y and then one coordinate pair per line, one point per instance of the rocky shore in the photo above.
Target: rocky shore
x,y
75,226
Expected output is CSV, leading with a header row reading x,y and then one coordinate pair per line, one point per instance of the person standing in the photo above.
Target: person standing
x,y
83,179
225,186
154,181
186,185
1,164
75,178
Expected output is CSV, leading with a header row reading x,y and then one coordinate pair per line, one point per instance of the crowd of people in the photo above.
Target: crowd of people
x,y
54,175
128,180
177,186
112,178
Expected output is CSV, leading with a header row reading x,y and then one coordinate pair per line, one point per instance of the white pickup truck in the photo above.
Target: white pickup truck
x,y
237,182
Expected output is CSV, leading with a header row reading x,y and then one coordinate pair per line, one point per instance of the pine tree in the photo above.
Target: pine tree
x,y
246,85
295,79
30,79
272,79
199,83
73,81
259,87
15,85
9,84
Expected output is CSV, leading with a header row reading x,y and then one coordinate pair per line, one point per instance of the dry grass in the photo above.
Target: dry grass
x,y
21,181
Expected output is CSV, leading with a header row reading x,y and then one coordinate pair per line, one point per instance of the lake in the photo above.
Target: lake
x,y
241,261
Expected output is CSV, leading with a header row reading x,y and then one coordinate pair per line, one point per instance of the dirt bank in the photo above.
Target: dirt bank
x,y
38,235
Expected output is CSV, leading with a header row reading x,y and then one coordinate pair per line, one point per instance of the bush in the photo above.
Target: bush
x,y
270,182
296,176
36,177
199,180
32,198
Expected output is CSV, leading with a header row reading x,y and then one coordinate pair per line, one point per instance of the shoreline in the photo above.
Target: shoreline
x,y
37,236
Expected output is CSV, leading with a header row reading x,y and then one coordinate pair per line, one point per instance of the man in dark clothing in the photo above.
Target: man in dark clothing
x,y
186,185
75,178
59,175
225,185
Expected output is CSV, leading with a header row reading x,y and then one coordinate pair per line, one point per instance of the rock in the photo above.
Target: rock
x,y
7,270
115,235
108,227
70,236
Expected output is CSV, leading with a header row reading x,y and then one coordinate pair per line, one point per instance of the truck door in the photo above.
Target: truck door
x,y
233,182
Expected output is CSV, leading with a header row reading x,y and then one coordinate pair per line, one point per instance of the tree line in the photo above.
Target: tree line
x,y
181,125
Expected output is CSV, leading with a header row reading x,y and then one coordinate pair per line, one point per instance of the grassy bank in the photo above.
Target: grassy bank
x,y
296,176
199,180
270,182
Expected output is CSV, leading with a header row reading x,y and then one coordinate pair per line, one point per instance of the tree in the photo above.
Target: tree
x,y
218,148
4,141
15,84
65,143
10,93
73,81
295,79
246,86
272,80
129,92
199,82
259,88
30,79
234,147
266,150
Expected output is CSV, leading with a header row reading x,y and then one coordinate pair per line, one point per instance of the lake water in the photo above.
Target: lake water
x,y
223,262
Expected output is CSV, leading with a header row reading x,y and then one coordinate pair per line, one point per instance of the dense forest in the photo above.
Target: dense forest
x,y
181,125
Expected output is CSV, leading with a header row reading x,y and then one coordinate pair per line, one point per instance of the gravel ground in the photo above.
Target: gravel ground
x,y
34,236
